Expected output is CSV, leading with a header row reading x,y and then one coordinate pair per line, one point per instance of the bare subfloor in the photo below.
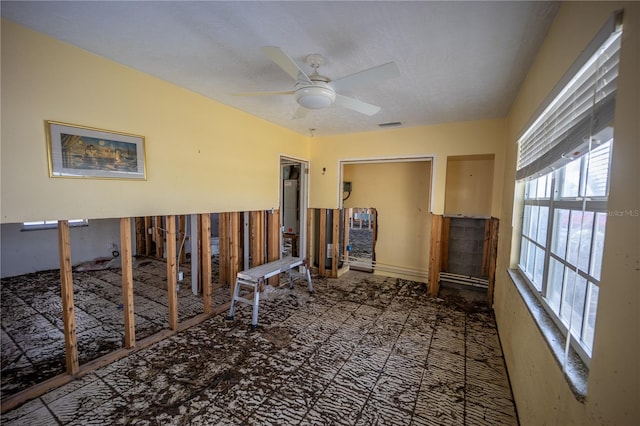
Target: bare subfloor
x,y
363,350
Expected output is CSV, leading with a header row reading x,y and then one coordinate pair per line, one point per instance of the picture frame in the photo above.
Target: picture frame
x,y
76,151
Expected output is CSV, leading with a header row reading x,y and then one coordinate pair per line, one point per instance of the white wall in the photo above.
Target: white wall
x,y
31,251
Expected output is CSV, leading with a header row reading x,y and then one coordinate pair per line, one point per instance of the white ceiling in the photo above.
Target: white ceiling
x,y
458,61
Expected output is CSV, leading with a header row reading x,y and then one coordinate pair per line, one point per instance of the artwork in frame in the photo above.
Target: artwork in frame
x,y
86,152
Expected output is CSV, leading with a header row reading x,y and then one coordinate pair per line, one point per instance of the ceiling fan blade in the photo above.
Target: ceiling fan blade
x,y
356,105
289,92
283,60
371,75
301,112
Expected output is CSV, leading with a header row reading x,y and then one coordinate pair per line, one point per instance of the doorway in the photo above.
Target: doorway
x,y
400,191
293,206
360,238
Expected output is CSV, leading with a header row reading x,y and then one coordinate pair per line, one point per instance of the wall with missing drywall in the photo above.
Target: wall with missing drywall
x,y
438,141
400,192
202,156
32,251
541,390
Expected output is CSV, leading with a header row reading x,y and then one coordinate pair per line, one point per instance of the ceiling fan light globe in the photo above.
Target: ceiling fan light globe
x,y
315,97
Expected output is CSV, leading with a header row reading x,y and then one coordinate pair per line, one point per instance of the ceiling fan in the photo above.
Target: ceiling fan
x,y
316,91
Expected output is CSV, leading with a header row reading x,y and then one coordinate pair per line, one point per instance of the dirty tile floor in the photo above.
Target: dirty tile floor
x,y
364,350
31,317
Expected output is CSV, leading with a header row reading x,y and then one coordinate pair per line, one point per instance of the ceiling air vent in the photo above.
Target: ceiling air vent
x,y
390,124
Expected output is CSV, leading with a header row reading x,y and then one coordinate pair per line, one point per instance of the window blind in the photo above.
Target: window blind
x,y
581,108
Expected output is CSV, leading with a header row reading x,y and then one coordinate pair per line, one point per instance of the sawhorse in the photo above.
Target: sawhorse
x,y
255,278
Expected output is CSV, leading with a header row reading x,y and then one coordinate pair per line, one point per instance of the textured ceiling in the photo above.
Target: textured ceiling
x,y
458,61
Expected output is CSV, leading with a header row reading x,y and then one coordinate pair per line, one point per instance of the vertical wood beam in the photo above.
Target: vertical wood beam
x,y
68,310
147,236
140,234
435,251
246,241
273,242
256,243
323,242
335,242
495,225
235,244
181,234
205,261
309,236
194,244
160,238
345,226
202,240
172,271
127,283
444,262
223,249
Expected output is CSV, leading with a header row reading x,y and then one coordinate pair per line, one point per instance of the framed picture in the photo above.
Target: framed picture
x,y
84,152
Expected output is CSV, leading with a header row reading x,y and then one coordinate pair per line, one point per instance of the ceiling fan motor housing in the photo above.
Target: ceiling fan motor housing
x,y
317,96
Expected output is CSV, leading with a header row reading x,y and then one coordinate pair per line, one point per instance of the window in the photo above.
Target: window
x,y
564,162
562,241
51,224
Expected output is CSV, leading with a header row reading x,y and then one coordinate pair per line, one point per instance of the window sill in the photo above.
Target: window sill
x,y
576,372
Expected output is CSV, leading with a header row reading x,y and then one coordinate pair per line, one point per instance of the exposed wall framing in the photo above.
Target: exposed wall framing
x,y
205,261
144,241
257,238
127,282
159,237
485,271
68,310
172,271
435,255
273,242
493,255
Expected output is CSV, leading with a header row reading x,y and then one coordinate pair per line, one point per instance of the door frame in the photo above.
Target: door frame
x,y
303,200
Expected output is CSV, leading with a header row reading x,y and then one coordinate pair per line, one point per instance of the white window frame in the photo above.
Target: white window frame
x,y
571,123
51,224
539,283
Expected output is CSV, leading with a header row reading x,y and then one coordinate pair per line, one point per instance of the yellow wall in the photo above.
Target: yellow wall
x,y
201,156
468,190
541,392
439,142
400,194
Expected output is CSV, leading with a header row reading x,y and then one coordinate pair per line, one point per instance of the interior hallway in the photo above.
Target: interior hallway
x,y
363,350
